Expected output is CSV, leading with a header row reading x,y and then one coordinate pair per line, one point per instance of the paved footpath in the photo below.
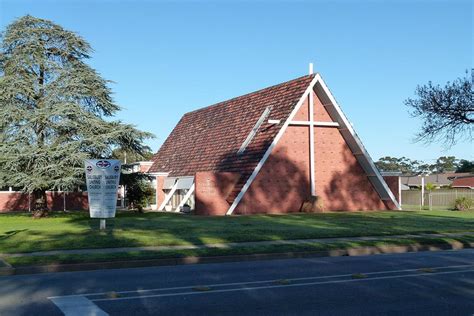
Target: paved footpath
x,y
233,245
428,283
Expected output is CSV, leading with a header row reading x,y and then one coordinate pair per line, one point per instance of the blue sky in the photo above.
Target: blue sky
x,y
167,58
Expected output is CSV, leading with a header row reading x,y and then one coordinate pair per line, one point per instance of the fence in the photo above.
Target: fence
x,y
442,198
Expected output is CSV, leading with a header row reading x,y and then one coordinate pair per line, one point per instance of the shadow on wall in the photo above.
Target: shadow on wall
x,y
343,185
19,201
281,186
14,201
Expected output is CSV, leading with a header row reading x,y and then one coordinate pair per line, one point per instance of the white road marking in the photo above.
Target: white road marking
x,y
77,306
277,286
266,281
245,285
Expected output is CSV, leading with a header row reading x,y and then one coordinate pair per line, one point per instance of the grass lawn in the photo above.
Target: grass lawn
x,y
21,233
261,249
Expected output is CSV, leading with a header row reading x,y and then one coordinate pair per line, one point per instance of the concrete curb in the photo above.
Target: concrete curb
x,y
358,251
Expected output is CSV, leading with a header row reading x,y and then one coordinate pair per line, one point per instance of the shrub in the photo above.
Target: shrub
x,y
463,203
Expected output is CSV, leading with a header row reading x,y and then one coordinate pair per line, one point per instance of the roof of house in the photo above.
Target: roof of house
x,y
464,182
208,139
440,179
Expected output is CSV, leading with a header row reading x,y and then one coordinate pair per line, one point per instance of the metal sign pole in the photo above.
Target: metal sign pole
x,y
102,223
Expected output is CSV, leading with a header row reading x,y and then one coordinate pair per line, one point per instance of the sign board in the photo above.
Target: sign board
x,y
102,178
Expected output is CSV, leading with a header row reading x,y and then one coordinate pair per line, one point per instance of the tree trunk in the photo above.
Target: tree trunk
x,y
40,207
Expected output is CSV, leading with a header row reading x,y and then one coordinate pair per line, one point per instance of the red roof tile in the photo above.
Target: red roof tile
x,y
463,182
208,139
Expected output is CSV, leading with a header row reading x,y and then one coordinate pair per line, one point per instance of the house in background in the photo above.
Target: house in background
x,y
138,166
276,150
463,182
440,180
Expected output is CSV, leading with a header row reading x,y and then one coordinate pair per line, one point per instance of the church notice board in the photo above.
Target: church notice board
x,y
102,178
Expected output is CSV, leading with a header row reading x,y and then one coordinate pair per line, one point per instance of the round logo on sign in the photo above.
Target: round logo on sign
x,y
89,168
103,164
116,168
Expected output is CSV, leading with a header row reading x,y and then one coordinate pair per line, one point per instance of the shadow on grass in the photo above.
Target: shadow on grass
x,y
76,230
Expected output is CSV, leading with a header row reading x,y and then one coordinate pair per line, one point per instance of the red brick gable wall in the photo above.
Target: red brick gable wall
x,y
283,183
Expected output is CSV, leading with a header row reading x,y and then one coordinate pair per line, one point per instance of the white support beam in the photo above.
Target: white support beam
x,y
254,130
353,140
168,196
326,124
400,190
311,143
186,198
315,123
270,148
274,121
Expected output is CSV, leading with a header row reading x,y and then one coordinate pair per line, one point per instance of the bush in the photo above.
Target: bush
x,y
139,190
463,203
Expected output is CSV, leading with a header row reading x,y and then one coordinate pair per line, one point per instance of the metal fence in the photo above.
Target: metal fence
x,y
442,198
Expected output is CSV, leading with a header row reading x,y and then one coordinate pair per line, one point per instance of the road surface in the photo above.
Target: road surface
x,y
429,283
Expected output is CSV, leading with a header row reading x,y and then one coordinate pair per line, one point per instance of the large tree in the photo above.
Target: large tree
x,y
465,166
403,164
444,164
447,112
55,110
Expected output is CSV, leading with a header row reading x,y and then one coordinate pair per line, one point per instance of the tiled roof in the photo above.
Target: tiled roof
x,y
208,139
438,179
464,182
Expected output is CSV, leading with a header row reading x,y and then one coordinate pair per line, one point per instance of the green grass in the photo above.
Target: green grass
x,y
21,233
147,255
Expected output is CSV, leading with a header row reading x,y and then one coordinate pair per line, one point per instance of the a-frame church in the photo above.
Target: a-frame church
x,y
285,148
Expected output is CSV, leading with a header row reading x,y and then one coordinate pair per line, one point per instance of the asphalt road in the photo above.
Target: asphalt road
x,y
430,283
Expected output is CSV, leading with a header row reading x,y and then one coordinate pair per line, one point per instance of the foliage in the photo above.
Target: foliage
x,y
138,189
408,166
447,112
430,187
465,166
53,107
463,203
444,164
403,164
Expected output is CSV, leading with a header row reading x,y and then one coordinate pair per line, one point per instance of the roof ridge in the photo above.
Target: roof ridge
x,y
250,93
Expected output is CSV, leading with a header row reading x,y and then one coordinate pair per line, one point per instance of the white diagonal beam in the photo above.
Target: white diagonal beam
x,y
186,197
270,148
168,196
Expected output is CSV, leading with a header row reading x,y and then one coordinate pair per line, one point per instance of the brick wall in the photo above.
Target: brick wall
x,y
212,190
160,195
283,184
393,183
17,201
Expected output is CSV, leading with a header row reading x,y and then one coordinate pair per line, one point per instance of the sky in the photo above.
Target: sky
x,y
170,57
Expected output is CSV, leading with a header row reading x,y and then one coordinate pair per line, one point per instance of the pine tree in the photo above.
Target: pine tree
x,y
53,109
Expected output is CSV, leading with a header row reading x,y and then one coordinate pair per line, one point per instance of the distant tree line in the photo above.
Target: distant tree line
x,y
409,166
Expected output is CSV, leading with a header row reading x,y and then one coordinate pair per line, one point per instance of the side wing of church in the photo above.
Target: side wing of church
x,y
286,148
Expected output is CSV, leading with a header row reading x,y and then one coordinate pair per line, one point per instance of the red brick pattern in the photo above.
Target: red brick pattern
x,y
160,194
283,184
212,190
17,201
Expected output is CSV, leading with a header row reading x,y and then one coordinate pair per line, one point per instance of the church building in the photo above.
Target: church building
x,y
286,148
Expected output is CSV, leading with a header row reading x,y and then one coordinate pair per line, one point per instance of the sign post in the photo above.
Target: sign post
x,y
102,178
